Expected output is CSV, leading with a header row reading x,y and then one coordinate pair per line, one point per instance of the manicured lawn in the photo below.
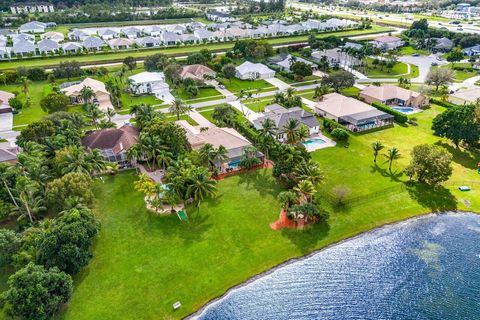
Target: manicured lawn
x,y
350,92
398,69
257,105
409,50
185,117
208,115
236,85
204,94
129,100
310,79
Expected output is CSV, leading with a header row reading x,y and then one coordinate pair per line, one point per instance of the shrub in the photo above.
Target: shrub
x,y
339,134
329,125
398,116
442,103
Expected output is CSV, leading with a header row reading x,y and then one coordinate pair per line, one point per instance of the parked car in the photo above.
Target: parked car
x,y
415,54
434,64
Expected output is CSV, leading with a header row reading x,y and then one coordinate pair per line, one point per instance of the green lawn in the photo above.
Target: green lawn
x,y
257,105
236,85
171,117
399,69
208,115
204,94
350,92
175,51
462,75
311,79
409,50
129,100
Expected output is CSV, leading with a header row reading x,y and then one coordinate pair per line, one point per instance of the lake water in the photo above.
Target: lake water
x,y
425,268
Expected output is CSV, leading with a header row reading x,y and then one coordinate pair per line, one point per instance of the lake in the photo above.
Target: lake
x,y
424,268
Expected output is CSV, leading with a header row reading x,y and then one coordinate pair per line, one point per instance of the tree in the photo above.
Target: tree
x,y
290,129
155,62
458,124
440,77
249,158
306,189
339,80
339,134
67,240
54,102
430,164
377,146
178,107
229,71
287,198
301,69
392,155
196,58
16,103
25,84
309,171
73,185
192,90
224,116
340,193
28,197
68,69
172,72
200,185
9,245
455,55
37,131
7,173
130,62
71,159
35,292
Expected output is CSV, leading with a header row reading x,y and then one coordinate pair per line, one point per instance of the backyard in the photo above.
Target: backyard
x,y
143,263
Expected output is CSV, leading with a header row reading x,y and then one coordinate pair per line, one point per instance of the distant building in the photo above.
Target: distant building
x,y
101,94
31,7
33,27
218,16
197,72
151,83
472,51
253,71
387,42
392,95
465,96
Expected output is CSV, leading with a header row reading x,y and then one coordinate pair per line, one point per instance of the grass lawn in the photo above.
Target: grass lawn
x,y
398,69
204,94
462,75
409,50
257,105
143,263
208,115
350,92
236,85
181,50
129,100
171,117
311,78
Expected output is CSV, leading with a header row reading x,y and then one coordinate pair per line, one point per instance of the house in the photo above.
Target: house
x,y
392,95
195,25
131,32
23,48
6,112
113,143
170,38
53,35
93,43
151,83
354,114
335,57
176,28
281,116
8,154
443,44
218,16
77,35
197,72
47,46
472,51
120,43
252,71
233,141
287,62
387,42
465,96
188,38
44,7
5,52
101,94
353,45
153,30
21,37
107,33
72,47
148,42
33,27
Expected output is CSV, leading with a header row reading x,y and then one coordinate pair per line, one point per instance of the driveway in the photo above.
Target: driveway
x,y
6,121
278,83
424,64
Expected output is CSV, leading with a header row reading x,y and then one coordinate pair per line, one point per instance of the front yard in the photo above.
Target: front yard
x,y
236,85
204,94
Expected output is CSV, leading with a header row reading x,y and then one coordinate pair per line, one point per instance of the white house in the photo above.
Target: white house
x,y
52,35
93,43
107,33
72,47
151,83
252,71
148,42
33,27
31,7
387,42
47,46
120,43
77,35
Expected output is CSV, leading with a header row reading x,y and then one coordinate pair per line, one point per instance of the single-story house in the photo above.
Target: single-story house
x,y
354,114
197,72
33,27
6,111
120,43
170,38
93,43
465,96
176,28
148,42
77,35
101,94
188,38
443,44
8,154
22,37
281,116
335,57
151,83
53,35
219,16
393,95
113,143
387,42
287,62
47,46
252,71
72,47
204,35
5,52
23,48
154,31
195,25
353,45
233,141
107,33
132,32
472,51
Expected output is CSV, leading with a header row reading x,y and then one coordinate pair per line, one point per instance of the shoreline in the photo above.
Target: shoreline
x,y
198,313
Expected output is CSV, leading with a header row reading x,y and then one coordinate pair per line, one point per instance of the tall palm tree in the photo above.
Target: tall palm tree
x,y
392,154
287,198
28,197
179,108
279,97
377,146
221,155
144,114
94,114
96,161
306,189
164,158
290,129
134,153
25,83
309,171
87,94
207,155
290,92
110,114
303,133
75,161
268,128
200,186
6,172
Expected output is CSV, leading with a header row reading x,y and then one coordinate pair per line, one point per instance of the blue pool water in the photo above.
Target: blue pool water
x,y
313,142
426,268
405,110
234,164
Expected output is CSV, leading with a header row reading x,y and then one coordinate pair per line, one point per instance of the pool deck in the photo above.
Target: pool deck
x,y
328,143
415,110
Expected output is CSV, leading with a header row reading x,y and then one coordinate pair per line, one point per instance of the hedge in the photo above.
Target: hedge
x,y
442,103
329,125
398,116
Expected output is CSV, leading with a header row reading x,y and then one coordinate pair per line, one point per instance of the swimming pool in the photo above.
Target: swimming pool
x,y
405,110
313,143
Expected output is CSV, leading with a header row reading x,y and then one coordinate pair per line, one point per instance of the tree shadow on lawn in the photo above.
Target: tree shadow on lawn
x,y
465,158
394,175
191,231
306,240
262,181
435,198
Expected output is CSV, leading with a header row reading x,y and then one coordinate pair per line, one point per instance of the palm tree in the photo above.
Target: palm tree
x,y
144,114
75,161
268,128
290,92
134,153
200,186
290,129
25,83
207,155
303,132
27,196
96,161
221,155
179,108
306,189
392,154
164,158
320,91
6,172
287,198
377,146
279,97
87,94
94,114
110,114
309,171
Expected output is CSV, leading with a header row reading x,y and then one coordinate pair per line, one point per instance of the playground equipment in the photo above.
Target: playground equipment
x,y
182,215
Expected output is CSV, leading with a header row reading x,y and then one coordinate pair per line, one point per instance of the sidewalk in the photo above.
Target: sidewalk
x,y
201,120
249,114
278,83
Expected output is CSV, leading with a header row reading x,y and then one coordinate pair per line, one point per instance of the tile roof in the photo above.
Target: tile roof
x,y
117,140
281,116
